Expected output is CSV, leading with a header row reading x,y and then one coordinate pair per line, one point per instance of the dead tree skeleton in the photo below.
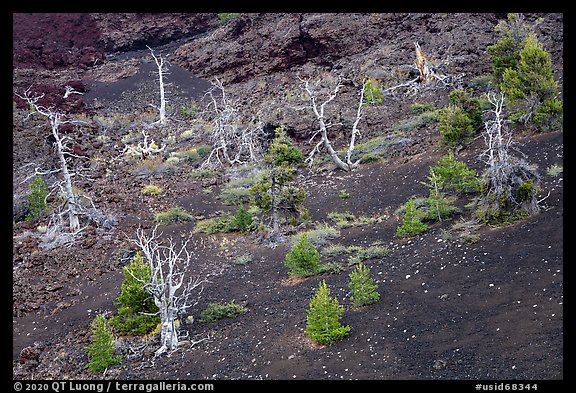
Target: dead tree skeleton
x,y
71,206
162,70
319,112
172,294
426,74
505,173
143,149
232,142
56,120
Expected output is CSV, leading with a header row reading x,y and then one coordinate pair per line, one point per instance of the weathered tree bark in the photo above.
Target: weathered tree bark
x,y
318,110
234,140
56,119
168,266
161,72
71,198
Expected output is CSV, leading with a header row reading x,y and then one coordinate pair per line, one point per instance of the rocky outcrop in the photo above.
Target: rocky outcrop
x,y
257,44
55,40
121,32
61,40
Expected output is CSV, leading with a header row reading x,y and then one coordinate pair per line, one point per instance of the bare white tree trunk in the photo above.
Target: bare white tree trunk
x,y
234,141
318,110
71,198
168,266
161,72
56,119
143,149
505,173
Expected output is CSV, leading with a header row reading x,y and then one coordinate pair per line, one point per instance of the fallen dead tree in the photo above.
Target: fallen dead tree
x,y
427,77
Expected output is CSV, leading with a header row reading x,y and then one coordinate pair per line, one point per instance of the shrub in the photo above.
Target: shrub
x,y
101,351
453,175
471,106
225,17
216,311
372,92
364,290
276,193
363,253
191,111
504,54
554,170
282,151
369,157
455,126
531,87
303,259
223,223
135,304
523,71
235,195
203,173
173,216
508,194
347,220
436,207
411,224
323,317
418,108
243,221
36,199
344,194
319,235
151,190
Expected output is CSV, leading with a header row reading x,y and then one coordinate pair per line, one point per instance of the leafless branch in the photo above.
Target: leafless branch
x,y
172,293
319,112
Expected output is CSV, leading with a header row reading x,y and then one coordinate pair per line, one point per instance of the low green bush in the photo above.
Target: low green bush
x,y
361,254
222,223
217,311
303,259
418,108
455,126
225,17
241,221
319,236
411,225
372,92
174,215
151,190
453,175
137,312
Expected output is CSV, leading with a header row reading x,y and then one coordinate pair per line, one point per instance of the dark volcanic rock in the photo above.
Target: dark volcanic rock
x,y
133,31
55,40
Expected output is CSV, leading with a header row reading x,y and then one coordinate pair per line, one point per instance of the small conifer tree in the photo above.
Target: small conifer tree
x,y
411,224
137,312
522,70
364,290
36,199
101,351
531,88
303,259
504,54
324,317
275,193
